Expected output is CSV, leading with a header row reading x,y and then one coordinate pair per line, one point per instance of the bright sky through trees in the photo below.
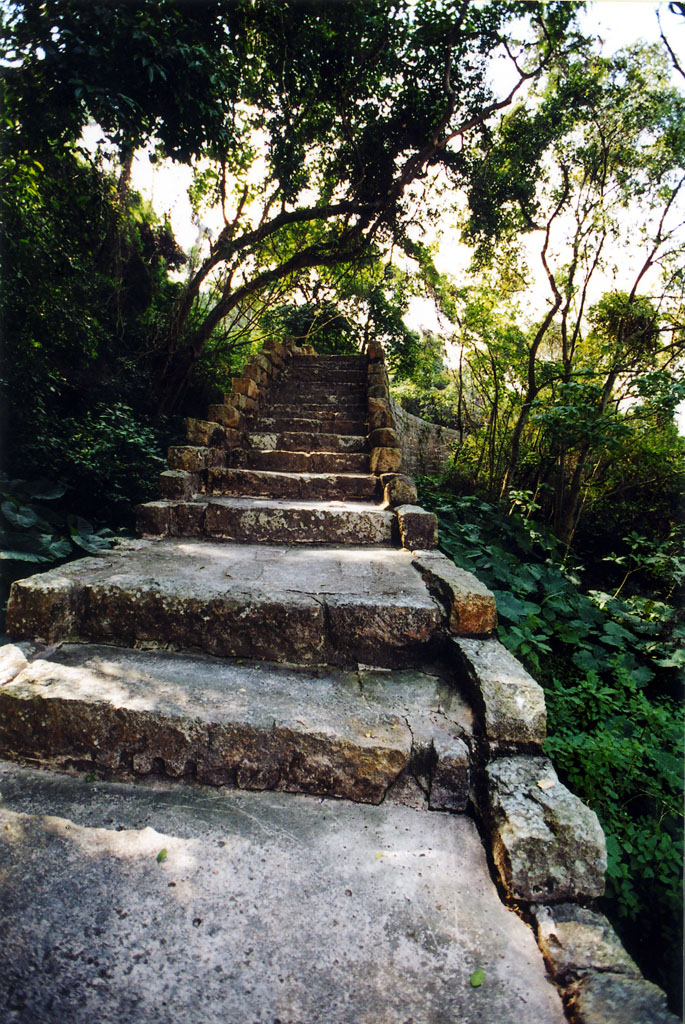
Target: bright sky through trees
x,y
618,22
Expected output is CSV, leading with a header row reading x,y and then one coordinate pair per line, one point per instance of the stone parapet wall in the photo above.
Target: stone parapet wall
x,y
426,447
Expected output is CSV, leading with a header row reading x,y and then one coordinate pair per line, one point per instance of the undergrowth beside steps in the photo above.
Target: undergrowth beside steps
x,y
609,665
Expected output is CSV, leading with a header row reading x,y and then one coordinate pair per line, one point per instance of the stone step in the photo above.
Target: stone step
x,y
298,387
232,907
308,441
329,424
310,486
270,521
324,375
316,411
298,396
329,362
306,462
308,604
254,725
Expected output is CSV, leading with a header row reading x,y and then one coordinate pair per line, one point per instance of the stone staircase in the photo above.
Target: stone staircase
x,y
285,625
301,474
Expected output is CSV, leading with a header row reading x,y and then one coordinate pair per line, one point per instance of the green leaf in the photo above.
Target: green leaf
x,y
161,856
43,490
21,556
18,515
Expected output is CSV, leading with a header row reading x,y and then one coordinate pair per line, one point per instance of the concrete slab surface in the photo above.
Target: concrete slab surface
x,y
263,601
124,904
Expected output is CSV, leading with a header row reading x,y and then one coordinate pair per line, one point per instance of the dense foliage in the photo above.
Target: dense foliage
x,y
544,397
316,126
84,277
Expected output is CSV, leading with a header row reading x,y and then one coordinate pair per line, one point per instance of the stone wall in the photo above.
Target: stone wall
x,y
426,447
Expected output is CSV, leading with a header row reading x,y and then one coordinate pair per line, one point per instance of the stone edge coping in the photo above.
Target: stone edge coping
x,y
537,827
224,425
470,606
384,440
598,980
510,702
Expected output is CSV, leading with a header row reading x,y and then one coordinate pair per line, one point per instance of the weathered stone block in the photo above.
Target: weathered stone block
x,y
576,941
176,483
13,660
217,456
255,373
384,437
43,607
226,415
377,374
398,490
377,391
615,999
187,519
153,518
374,351
267,364
204,433
385,460
380,414
418,528
546,844
245,386
232,439
510,701
276,350
449,781
190,458
243,403
360,625
470,605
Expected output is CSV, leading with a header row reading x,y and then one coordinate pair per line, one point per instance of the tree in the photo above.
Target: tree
x,y
320,124
162,69
614,158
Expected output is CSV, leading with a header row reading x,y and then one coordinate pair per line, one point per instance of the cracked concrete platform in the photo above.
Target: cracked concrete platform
x,y
259,601
266,908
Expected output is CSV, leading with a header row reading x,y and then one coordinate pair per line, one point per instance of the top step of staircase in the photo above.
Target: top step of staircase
x,y
341,362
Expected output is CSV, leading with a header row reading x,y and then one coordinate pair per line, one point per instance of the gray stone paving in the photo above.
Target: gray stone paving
x,y
265,908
